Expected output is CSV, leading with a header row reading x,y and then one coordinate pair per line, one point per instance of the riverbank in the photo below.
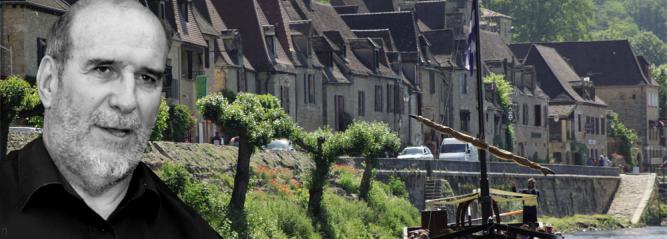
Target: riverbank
x,y
583,223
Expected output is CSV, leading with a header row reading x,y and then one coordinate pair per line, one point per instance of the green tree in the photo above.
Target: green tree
x,y
180,122
627,138
650,46
548,20
659,75
650,15
256,119
16,96
161,121
370,140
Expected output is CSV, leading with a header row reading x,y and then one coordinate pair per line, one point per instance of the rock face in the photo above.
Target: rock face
x,y
561,195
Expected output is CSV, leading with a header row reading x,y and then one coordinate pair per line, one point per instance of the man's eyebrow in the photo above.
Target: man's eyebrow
x,y
99,61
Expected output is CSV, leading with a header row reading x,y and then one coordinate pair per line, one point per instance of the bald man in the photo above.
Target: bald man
x,y
100,84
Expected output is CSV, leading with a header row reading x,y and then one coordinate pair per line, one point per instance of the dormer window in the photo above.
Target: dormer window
x,y
183,8
270,39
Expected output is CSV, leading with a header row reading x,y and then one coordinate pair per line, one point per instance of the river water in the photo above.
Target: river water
x,y
640,233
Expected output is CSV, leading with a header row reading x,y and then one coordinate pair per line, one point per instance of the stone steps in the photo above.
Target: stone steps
x,y
433,189
632,196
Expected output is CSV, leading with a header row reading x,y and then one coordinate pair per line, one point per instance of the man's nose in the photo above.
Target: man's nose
x,y
123,98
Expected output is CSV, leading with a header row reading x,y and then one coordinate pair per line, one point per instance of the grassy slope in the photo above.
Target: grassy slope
x,y
585,223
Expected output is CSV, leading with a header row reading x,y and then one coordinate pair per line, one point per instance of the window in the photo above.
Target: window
x,y
339,110
603,126
284,98
597,126
464,84
362,103
271,45
465,120
390,98
241,86
525,114
311,89
206,54
579,122
431,81
306,87
189,62
538,115
41,49
184,11
162,10
378,98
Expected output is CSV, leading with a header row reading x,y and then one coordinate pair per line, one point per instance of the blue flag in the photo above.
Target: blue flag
x,y
470,51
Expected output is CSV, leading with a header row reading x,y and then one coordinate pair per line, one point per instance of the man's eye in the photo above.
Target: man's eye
x,y
103,69
148,79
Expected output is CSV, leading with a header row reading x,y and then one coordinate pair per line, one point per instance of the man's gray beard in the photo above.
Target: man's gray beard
x,y
97,165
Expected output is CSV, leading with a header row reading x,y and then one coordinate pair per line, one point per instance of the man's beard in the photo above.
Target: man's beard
x,y
98,164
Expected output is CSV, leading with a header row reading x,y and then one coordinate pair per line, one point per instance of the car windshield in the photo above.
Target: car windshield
x,y
412,151
277,144
453,148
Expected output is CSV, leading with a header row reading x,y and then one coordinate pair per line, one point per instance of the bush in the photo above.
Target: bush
x,y
161,121
349,182
181,122
397,187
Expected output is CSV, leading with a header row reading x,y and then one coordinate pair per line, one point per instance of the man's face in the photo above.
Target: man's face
x,y
108,96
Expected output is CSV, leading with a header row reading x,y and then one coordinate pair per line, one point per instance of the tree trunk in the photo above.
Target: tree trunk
x,y
242,177
365,186
316,190
318,180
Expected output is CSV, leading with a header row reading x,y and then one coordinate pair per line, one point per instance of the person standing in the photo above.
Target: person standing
x,y
529,211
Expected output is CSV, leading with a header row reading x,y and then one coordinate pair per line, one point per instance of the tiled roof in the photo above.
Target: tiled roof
x,y
493,47
380,5
243,15
560,88
432,13
276,16
203,24
489,13
360,4
442,41
188,31
605,62
401,24
560,110
385,34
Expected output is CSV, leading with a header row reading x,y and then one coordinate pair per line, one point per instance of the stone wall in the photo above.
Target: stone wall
x,y
561,195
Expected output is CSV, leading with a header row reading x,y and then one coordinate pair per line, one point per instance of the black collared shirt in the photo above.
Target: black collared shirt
x,y
37,202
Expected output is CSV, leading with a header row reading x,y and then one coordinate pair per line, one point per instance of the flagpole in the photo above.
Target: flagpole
x,y
485,198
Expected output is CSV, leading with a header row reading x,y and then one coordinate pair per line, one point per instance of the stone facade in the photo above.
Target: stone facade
x,y
24,29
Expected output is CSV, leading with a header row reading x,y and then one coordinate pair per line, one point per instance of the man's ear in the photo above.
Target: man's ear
x,y
47,80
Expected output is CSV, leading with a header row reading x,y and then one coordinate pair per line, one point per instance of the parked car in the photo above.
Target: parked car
x,y
416,152
279,145
454,149
25,130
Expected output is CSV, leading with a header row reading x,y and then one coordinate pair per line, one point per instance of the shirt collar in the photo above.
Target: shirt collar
x,y
36,170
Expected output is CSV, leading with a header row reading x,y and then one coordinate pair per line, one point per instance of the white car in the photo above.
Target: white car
x,y
25,130
279,145
454,149
416,152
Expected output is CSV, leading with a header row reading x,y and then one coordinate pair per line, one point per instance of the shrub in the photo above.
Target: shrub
x,y
161,121
180,123
349,182
397,187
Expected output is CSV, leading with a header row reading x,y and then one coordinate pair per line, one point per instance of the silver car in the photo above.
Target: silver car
x,y
416,152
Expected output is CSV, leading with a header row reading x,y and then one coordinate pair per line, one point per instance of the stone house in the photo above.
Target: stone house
x,y
622,80
24,27
576,115
528,112
362,77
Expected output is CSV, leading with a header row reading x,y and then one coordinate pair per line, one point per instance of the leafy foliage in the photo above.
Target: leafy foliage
x,y
181,122
540,21
256,119
161,121
627,137
503,88
371,140
17,94
659,74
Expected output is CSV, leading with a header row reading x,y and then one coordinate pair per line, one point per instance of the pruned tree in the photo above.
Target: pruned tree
x,y
256,119
370,140
16,96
